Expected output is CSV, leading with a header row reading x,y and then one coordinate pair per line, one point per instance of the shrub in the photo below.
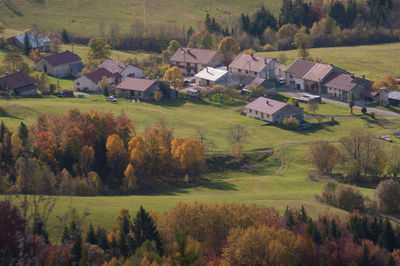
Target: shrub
x,y
364,110
328,192
268,48
387,195
373,115
349,198
291,122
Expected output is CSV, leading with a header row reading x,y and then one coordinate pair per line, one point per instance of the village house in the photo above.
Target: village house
x,y
394,98
339,86
213,76
272,111
19,83
40,43
260,83
254,66
61,65
139,88
123,68
296,71
194,60
91,81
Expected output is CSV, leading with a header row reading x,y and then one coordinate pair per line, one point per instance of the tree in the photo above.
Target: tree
x,y
91,236
23,134
388,196
393,164
65,36
173,46
2,28
175,76
389,82
237,134
186,251
98,49
27,44
116,155
324,155
145,229
42,81
115,35
229,47
86,160
351,101
302,42
158,95
12,61
105,86
129,183
189,153
16,146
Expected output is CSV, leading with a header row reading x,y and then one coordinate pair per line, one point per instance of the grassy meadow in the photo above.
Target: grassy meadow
x,y
279,181
82,17
375,61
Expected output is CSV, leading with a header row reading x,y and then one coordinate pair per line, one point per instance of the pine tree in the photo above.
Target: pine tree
x,y
351,101
23,134
303,215
145,229
101,239
91,237
365,260
38,228
27,44
391,261
77,247
387,239
290,217
182,255
3,130
65,36
334,230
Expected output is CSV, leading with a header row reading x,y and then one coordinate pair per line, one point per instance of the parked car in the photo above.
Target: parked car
x,y
281,81
111,99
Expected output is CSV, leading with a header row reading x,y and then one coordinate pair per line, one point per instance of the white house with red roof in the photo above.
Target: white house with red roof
x,y
60,65
272,111
122,68
249,65
91,81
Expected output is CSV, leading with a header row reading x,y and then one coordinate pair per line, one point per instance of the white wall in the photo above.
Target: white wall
x,y
132,70
258,115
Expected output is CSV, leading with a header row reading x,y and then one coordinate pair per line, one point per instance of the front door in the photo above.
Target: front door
x,y
45,69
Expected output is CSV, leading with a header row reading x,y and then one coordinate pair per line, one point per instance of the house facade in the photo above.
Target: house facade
x,y
212,76
339,86
248,65
61,65
19,83
295,73
260,82
139,88
40,43
91,81
272,111
194,60
122,68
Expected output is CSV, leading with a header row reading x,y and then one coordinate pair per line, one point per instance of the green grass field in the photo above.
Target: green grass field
x,y
281,181
82,17
375,61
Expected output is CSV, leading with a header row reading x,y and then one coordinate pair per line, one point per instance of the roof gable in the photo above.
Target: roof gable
x,y
35,42
98,75
17,80
115,66
62,58
300,67
194,55
250,62
136,84
266,105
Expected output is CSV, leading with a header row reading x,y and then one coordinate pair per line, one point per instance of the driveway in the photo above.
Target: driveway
x,y
359,104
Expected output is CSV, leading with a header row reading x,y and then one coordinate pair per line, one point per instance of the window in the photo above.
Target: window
x,y
78,83
247,72
256,113
240,71
262,115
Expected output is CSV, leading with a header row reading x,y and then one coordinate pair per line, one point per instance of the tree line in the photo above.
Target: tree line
x,y
94,153
201,234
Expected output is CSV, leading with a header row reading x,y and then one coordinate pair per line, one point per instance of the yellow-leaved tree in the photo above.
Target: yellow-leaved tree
x,y
174,75
230,48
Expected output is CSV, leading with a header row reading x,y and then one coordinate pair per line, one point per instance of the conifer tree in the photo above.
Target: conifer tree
x,y
91,237
27,44
23,134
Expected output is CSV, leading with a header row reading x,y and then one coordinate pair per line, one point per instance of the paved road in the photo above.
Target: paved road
x,y
359,104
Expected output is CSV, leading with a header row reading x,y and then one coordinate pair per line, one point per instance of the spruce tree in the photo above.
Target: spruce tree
x,y
145,229
365,259
387,239
27,44
351,101
303,215
101,239
38,228
23,134
65,36
91,237
77,247
3,130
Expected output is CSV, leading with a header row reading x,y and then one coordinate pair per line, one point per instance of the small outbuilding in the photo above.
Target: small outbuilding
x,y
60,65
394,98
19,83
139,88
272,111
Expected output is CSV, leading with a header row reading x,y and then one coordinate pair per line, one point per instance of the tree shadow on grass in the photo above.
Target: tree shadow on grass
x,y
381,122
4,113
313,127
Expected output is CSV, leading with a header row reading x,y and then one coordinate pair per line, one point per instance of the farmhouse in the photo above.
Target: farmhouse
x,y
212,76
254,66
296,72
91,81
394,98
272,111
40,43
140,88
339,86
193,60
60,65
19,83
123,68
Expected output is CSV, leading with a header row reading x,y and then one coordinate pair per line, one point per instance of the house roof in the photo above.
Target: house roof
x,y
260,82
210,73
343,82
318,72
40,41
18,80
62,58
194,55
395,95
97,75
250,62
266,105
300,67
136,84
115,66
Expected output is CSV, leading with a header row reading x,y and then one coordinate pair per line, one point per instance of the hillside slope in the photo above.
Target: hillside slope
x,y
84,16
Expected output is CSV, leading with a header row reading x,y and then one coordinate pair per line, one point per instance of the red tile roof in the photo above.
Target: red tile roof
x,y
136,84
18,80
98,74
194,55
265,105
343,82
62,58
250,62
318,72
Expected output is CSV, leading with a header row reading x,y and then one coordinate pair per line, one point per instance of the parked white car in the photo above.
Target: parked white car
x,y
111,99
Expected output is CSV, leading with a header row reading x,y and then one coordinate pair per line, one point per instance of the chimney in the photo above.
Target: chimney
x,y
265,60
301,58
363,76
67,50
188,51
207,70
267,103
331,65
